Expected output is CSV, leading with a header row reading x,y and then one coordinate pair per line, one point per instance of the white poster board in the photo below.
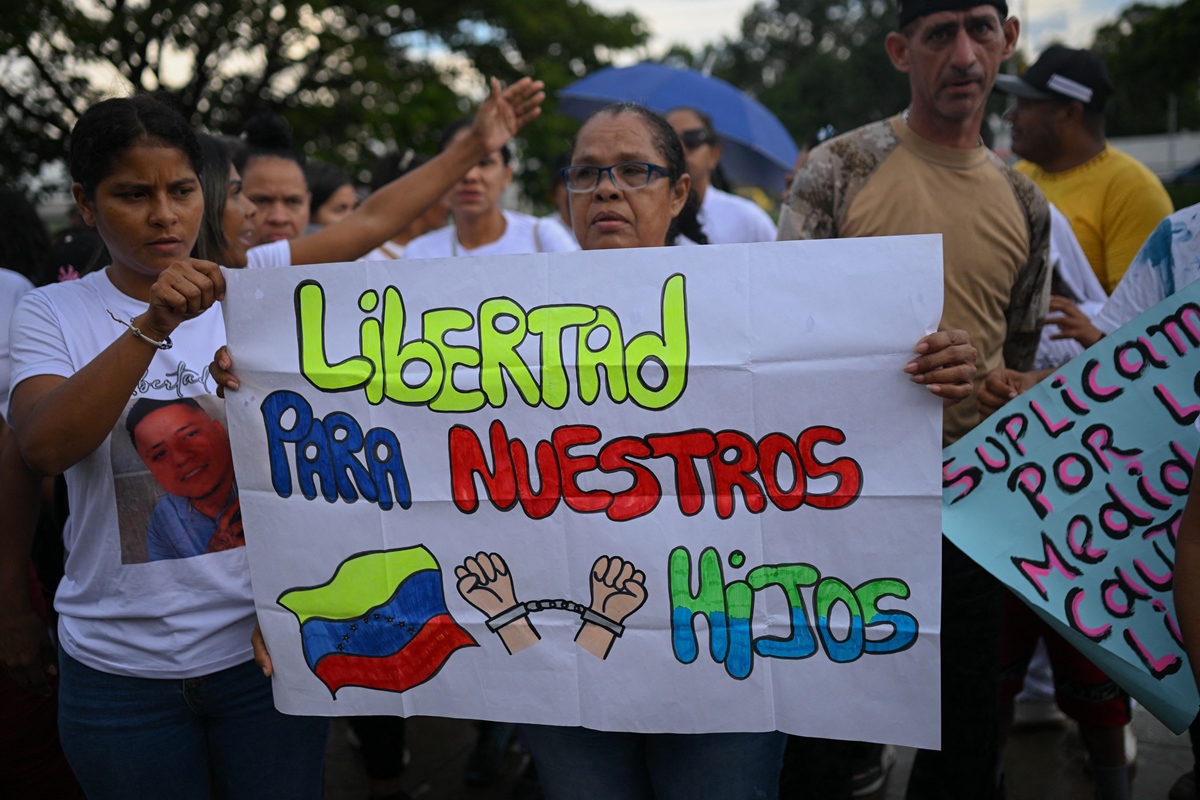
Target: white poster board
x,y
425,446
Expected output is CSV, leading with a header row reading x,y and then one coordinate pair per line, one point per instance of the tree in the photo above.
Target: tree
x,y
816,62
349,76
1151,54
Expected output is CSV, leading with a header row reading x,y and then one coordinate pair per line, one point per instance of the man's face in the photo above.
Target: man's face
x,y
278,190
185,450
952,58
1035,129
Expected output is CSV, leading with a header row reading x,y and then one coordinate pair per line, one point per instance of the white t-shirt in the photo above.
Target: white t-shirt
x,y
555,220
271,254
729,219
1168,261
388,251
12,286
1077,275
120,612
522,234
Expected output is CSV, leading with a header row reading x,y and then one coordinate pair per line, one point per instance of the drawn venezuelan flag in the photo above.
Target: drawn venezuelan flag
x,y
380,622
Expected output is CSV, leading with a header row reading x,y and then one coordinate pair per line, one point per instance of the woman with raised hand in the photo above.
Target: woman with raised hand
x,y
481,226
390,210
159,696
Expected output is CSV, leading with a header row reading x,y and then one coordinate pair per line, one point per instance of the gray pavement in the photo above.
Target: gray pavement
x,y
1045,764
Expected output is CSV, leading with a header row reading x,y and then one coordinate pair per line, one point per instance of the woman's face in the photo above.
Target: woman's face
x,y
477,193
147,210
702,158
237,222
337,207
608,217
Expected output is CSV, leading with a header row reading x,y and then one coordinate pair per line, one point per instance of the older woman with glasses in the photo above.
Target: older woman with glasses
x,y
628,183
725,218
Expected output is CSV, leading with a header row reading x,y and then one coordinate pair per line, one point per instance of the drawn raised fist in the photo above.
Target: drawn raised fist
x,y
484,582
618,589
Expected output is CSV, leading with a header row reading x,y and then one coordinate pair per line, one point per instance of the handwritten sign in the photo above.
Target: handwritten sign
x,y
649,490
1071,495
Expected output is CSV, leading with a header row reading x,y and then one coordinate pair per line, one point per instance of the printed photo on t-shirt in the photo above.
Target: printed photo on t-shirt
x,y
173,473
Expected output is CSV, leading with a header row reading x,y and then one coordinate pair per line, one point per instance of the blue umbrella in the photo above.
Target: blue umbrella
x,y
755,147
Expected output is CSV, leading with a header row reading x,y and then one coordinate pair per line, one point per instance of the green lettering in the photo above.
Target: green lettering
x,y
499,353
436,324
345,375
611,356
397,355
549,323
670,350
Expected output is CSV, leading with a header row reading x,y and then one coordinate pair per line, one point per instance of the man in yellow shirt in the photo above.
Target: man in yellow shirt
x,y
1112,201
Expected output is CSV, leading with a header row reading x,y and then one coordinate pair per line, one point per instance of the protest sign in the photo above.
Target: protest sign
x,y
1071,495
668,489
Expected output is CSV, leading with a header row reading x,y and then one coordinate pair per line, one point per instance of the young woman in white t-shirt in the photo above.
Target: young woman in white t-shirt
x,y
158,696
481,227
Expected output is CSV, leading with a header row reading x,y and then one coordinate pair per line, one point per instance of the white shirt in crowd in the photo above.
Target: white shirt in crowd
x,y
729,219
271,254
120,612
12,286
1078,277
522,234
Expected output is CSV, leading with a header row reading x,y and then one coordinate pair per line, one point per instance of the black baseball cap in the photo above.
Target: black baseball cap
x,y
1062,73
911,9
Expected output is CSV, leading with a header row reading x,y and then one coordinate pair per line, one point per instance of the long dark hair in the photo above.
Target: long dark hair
x,y
670,149
214,178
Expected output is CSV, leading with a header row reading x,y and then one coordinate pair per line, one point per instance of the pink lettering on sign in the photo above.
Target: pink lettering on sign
x,y
1035,571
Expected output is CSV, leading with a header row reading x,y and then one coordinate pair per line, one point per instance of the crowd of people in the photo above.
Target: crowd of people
x,y
116,488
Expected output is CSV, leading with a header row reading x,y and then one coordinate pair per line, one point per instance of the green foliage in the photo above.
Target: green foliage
x,y
1151,53
1183,194
817,62
350,77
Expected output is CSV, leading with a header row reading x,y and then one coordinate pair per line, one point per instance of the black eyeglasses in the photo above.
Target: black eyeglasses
x,y
626,175
695,137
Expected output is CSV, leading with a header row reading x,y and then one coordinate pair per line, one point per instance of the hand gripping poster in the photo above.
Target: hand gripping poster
x,y
659,490
1071,495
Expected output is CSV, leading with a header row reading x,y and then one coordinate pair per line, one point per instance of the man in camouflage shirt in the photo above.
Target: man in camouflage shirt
x,y
927,171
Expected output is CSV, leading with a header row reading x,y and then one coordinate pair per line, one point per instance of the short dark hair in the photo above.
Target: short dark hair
x,y
392,165
146,406
461,125
267,135
705,122
112,126
323,180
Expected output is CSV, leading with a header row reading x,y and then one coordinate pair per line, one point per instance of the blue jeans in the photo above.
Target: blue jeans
x,y
579,763
183,739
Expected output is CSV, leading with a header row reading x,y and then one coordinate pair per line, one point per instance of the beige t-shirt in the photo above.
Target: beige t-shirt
x,y
884,180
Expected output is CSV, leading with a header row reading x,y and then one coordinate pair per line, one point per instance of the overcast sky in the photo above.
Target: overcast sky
x,y
695,22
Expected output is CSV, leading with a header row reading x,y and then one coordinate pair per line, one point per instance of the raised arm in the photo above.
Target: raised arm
x,y
393,208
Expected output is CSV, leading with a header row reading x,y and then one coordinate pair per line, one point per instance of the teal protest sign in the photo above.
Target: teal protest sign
x,y
1071,495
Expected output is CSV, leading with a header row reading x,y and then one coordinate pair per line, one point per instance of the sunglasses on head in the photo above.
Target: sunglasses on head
x,y
695,137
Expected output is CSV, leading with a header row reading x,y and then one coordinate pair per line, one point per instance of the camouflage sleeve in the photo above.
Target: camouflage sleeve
x,y
825,186
809,211
1030,300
